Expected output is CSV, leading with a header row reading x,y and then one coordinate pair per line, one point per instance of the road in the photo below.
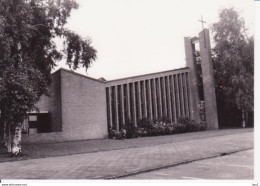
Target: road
x,y
238,165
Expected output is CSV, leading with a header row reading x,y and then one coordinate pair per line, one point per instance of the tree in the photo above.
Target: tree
x,y
28,53
233,62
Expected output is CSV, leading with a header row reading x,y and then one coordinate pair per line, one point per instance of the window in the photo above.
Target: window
x,y
32,118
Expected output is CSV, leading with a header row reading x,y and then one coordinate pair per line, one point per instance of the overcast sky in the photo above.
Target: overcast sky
x,y
134,37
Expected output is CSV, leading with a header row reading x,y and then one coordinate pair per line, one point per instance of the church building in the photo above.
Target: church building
x,y
82,108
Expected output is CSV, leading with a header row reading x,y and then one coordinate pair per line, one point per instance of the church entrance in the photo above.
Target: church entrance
x,y
37,123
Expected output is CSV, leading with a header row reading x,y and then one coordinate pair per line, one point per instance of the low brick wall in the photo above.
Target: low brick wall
x,y
53,137
43,137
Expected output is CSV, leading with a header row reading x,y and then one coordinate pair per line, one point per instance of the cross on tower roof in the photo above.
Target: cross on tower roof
x,y
202,22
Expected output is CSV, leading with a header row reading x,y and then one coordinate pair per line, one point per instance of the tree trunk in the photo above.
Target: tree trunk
x,y
8,139
5,135
246,118
3,141
243,119
11,139
16,141
1,130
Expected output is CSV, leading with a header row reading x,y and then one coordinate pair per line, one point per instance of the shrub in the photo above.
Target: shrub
x,y
191,125
144,123
113,134
146,127
131,131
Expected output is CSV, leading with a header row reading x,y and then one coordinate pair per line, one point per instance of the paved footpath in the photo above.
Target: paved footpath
x,y
119,162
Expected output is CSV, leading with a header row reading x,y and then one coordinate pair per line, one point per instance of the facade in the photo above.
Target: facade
x,y
153,96
81,107
76,110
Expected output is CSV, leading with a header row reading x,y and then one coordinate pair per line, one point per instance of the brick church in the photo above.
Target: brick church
x,y
81,107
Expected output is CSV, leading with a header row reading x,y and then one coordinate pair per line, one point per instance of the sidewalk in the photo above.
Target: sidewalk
x,y
32,151
112,158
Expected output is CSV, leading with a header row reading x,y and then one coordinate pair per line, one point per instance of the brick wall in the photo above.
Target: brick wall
x,y
52,103
83,107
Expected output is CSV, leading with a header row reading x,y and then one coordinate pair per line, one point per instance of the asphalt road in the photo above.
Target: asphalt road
x,y
238,165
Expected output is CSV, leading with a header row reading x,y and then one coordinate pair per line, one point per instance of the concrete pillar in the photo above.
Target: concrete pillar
x,y
208,80
192,77
186,97
160,112
139,100
144,100
155,99
110,108
169,99
178,96
193,116
173,99
134,104
181,96
164,99
150,100
122,104
128,101
116,109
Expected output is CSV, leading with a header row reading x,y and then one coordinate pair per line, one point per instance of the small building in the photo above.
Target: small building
x,y
80,107
76,110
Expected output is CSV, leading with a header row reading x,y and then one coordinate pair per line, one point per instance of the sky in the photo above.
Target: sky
x,y
134,37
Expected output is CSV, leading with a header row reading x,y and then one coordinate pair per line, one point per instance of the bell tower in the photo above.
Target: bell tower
x,y
202,93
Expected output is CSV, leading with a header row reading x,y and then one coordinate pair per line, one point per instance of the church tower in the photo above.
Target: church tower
x,y
202,93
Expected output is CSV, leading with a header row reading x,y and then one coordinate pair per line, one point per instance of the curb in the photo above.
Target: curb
x,y
168,165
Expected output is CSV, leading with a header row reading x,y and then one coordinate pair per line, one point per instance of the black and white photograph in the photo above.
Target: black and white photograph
x,y
128,91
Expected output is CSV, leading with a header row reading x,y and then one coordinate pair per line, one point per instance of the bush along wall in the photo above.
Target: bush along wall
x,y
146,127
